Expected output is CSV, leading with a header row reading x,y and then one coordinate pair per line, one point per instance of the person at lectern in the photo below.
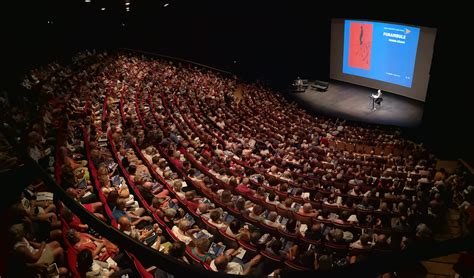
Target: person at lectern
x,y
376,98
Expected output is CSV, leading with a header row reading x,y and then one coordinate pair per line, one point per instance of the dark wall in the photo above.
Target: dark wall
x,y
272,40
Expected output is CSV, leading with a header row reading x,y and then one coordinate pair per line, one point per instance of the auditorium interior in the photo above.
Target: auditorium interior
x,y
176,138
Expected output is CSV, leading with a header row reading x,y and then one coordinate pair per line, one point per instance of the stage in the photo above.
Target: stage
x,y
352,102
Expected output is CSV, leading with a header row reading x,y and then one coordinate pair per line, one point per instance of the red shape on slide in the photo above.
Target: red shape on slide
x,y
360,45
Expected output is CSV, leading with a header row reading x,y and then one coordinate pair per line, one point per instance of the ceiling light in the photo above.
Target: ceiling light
x,y
127,9
102,9
127,3
87,1
166,5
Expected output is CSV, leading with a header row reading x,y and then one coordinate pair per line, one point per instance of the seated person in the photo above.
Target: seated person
x,y
35,253
228,264
271,199
315,232
236,230
216,219
88,267
292,227
271,220
177,250
119,211
364,242
41,230
183,231
101,249
95,208
201,248
177,186
190,200
73,221
307,210
256,213
146,190
139,234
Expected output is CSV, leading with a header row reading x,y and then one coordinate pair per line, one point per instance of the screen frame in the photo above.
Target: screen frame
x,y
423,61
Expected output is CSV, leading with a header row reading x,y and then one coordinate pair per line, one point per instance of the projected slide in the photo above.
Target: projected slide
x,y
380,51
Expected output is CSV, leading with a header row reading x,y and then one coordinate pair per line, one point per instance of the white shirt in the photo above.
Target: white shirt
x,y
379,94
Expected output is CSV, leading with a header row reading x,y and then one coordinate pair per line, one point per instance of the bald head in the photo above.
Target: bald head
x,y
203,207
125,224
307,207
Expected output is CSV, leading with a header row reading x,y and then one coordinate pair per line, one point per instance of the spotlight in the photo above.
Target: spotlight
x,y
127,9
127,3
166,5
102,9
87,1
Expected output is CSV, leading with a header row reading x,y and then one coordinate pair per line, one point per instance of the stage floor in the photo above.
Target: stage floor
x,y
353,102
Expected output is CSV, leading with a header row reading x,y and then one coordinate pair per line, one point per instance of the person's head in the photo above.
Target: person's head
x,y
257,209
125,224
337,235
121,204
112,197
71,192
271,197
221,262
84,261
17,232
170,213
235,226
189,195
203,207
423,231
325,262
73,236
291,225
288,202
202,244
240,204
177,185
226,196
184,225
148,185
316,227
177,249
254,237
275,245
215,215
272,216
307,207
261,191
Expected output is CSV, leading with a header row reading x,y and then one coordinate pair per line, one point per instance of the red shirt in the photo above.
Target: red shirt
x,y
243,189
75,222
